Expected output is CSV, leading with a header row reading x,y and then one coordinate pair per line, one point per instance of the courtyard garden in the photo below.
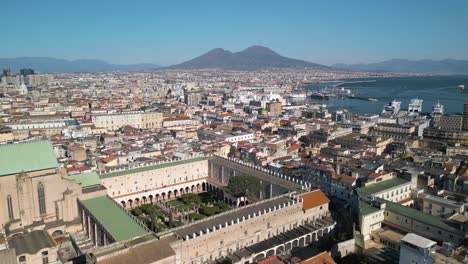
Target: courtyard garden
x,y
193,207
155,218
185,209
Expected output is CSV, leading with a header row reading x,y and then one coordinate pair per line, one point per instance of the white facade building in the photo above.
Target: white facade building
x,y
416,249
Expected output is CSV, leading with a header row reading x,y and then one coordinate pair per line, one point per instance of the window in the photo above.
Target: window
x,y
45,257
42,201
11,216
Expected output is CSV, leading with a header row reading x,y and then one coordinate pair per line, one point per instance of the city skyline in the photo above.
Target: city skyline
x,y
167,34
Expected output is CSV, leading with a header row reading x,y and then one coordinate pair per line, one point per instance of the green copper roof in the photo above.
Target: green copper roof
x,y
381,186
28,156
113,218
86,179
414,214
366,209
151,167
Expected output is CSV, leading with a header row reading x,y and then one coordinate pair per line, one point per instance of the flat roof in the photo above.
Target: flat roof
x,y
391,235
113,218
418,241
381,186
151,167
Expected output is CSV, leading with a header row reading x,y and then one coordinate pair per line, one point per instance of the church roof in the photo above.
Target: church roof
x,y
86,179
28,156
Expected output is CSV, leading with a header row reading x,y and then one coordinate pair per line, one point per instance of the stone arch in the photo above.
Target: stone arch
x,y
295,243
57,233
301,242
308,239
187,189
314,236
169,194
163,195
259,257
144,199
150,198
182,191
123,204
270,252
320,234
130,202
279,250
203,185
137,201
288,246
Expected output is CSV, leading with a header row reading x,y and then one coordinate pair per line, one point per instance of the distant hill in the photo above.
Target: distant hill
x,y
447,66
47,65
252,58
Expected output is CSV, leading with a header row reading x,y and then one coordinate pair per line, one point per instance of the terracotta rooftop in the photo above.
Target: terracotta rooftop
x,y
313,199
322,258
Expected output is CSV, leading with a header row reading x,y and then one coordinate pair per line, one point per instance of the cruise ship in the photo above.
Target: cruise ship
x,y
392,108
415,106
437,109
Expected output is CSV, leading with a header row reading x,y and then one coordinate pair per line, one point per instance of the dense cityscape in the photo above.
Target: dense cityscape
x,y
213,166
234,132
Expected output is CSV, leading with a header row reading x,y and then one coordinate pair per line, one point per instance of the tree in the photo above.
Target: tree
x,y
243,185
190,198
137,211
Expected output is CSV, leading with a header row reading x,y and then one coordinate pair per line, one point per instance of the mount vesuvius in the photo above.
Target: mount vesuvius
x,y
252,58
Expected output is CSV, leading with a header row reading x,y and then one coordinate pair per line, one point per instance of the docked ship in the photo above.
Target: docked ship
x,y
415,106
297,96
437,109
392,108
320,96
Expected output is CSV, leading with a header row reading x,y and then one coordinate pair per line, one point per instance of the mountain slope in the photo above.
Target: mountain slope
x,y
252,58
45,64
447,66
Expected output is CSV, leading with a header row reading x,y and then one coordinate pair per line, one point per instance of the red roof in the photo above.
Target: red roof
x,y
313,199
322,258
272,260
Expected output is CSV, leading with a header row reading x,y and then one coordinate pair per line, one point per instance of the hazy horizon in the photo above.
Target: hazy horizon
x,y
325,32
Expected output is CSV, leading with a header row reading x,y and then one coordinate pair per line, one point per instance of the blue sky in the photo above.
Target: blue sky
x,y
172,31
